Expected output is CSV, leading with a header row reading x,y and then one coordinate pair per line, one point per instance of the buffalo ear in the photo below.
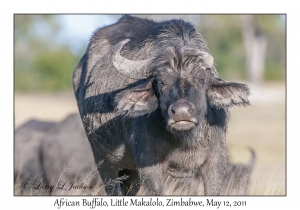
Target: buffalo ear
x,y
222,94
137,101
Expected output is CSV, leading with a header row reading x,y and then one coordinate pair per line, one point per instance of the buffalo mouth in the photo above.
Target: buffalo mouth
x,y
182,125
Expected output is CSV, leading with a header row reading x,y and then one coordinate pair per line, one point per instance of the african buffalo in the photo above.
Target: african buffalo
x,y
237,177
152,104
54,154
27,148
235,181
67,157
27,159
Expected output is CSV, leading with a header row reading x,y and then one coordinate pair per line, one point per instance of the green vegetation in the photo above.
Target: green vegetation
x,y
50,71
224,37
42,63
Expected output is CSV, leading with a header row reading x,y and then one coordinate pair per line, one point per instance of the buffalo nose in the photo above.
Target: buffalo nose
x,y
182,110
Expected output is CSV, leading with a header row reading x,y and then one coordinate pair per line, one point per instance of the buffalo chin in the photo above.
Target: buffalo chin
x,y
182,125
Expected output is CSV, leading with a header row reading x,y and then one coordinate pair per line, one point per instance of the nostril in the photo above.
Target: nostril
x,y
190,108
182,109
173,108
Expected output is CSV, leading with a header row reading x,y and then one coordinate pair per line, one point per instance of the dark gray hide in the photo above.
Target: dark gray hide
x,y
48,149
27,164
152,105
236,181
237,177
67,157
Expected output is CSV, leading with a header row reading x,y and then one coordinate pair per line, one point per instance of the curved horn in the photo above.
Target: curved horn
x,y
209,60
130,68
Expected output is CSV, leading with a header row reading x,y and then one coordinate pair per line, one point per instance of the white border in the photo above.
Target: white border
x,y
6,85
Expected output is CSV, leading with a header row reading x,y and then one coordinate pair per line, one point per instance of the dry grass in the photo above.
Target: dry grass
x,y
43,106
260,126
272,184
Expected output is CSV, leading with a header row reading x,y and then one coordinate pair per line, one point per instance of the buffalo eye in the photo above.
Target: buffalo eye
x,y
161,83
159,87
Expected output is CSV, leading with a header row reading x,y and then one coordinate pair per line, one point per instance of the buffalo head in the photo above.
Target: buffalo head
x,y
181,81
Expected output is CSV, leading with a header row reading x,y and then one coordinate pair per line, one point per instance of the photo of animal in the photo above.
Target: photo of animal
x,y
48,149
149,105
152,103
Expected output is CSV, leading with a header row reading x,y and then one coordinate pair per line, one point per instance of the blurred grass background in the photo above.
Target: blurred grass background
x,y
48,47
